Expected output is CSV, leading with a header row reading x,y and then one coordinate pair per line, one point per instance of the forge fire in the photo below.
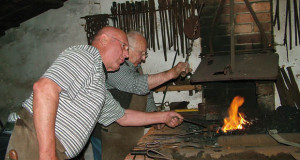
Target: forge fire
x,y
235,120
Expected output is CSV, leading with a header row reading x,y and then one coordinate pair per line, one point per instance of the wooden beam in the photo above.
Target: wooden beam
x,y
179,88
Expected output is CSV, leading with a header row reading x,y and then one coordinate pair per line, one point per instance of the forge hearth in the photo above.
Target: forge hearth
x,y
251,142
217,97
193,142
207,141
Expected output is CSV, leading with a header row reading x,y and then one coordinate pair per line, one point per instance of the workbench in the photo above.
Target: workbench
x,y
170,142
192,142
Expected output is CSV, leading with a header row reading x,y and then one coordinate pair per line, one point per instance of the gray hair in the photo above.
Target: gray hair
x,y
131,35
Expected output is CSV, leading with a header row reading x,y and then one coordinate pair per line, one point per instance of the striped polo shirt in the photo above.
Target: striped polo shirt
x,y
83,101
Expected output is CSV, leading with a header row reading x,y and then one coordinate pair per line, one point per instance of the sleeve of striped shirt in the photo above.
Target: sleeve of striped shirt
x,y
128,80
111,111
151,107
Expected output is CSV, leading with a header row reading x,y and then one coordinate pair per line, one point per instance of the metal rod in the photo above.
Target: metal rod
x,y
165,92
193,122
232,44
264,38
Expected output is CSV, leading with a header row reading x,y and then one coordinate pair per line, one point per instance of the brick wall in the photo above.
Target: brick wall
x,y
247,35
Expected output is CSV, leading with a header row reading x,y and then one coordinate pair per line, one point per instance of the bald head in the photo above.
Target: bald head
x,y
112,44
138,47
110,31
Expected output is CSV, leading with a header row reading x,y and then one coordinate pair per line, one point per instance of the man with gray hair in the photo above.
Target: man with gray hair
x,y
125,85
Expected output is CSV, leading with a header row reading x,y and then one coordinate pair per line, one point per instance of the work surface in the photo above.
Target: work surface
x,y
191,142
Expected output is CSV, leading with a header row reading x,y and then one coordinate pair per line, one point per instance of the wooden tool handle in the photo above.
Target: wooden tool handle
x,y
13,154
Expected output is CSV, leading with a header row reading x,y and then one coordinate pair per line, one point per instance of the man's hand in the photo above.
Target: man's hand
x,y
180,67
155,80
173,119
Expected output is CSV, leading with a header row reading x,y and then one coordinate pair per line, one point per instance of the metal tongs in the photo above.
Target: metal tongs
x,y
192,122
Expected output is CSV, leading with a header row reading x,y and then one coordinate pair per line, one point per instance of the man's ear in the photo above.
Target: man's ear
x,y
104,39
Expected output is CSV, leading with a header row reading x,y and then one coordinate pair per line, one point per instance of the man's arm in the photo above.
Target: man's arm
x,y
155,80
151,107
137,118
45,104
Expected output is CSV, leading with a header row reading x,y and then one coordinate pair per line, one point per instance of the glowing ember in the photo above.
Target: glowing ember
x,y
235,120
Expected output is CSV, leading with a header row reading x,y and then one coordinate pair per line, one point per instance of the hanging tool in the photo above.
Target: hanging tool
x,y
162,27
148,30
152,23
185,14
285,30
120,17
113,10
137,15
136,12
165,14
175,31
180,25
123,12
143,12
169,6
155,26
296,21
190,23
184,73
290,23
276,17
133,16
128,16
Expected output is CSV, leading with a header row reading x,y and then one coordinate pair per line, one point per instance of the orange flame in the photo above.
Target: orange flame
x,y
235,119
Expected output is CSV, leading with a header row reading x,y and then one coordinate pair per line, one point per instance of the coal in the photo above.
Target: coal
x,y
284,119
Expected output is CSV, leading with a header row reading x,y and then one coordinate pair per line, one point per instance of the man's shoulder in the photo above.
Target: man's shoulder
x,y
86,51
83,48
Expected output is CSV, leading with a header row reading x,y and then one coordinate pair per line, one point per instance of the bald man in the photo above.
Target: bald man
x,y
125,84
70,98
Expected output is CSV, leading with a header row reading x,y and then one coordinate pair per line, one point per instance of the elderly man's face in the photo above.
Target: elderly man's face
x,y
118,49
138,53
